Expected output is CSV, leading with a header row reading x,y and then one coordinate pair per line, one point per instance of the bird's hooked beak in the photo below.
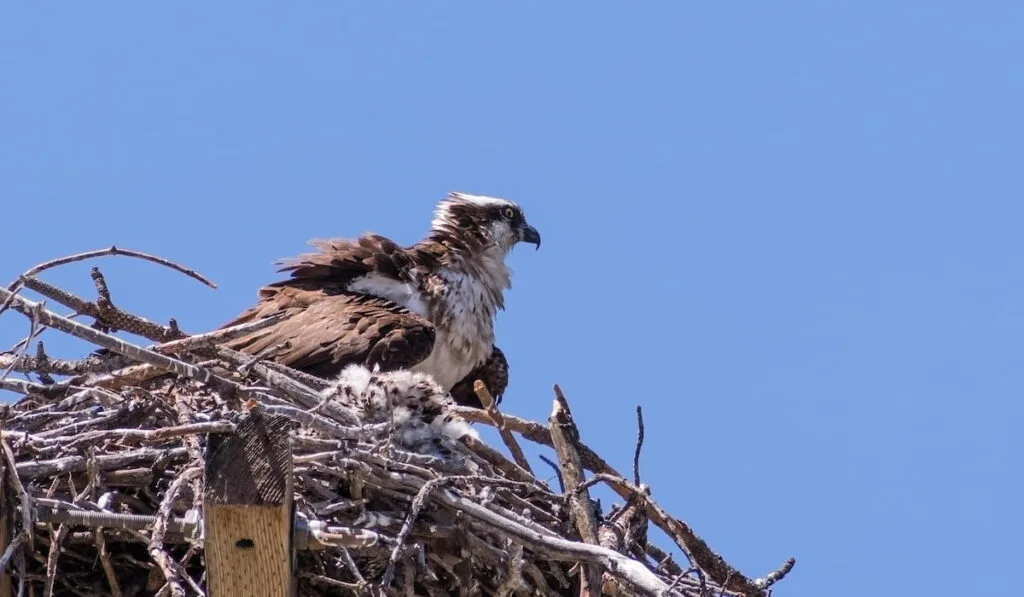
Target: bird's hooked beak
x,y
529,234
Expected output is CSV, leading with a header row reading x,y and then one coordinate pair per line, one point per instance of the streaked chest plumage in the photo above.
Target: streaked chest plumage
x,y
463,315
461,302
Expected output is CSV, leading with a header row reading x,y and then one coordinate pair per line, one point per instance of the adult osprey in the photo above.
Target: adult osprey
x,y
428,308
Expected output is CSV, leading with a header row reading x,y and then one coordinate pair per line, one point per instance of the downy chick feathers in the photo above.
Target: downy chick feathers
x,y
421,412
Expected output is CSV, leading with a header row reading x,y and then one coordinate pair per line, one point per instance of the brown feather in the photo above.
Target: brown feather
x,y
340,261
326,332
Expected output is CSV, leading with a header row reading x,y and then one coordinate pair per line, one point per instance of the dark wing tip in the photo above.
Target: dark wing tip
x,y
493,372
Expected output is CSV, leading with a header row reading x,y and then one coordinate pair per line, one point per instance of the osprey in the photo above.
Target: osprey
x,y
428,308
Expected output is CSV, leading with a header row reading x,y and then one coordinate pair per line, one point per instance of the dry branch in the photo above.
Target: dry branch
x,y
51,319
639,443
566,438
695,548
499,422
538,433
112,250
108,316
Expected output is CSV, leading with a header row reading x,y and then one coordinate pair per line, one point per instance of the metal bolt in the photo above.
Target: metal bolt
x,y
135,522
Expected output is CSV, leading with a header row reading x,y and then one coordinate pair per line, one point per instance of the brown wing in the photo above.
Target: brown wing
x,y
339,261
493,372
326,332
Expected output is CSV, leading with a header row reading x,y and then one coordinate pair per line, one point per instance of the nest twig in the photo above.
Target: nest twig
x,y
101,491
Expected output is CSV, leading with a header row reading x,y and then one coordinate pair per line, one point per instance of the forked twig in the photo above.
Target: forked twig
x,y
499,422
107,316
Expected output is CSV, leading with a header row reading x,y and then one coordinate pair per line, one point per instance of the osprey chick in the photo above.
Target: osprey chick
x,y
429,307
420,411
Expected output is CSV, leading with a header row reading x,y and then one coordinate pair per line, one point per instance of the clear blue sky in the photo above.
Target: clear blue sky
x,y
792,231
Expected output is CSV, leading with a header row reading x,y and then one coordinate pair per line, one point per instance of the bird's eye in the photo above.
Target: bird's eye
x,y
508,213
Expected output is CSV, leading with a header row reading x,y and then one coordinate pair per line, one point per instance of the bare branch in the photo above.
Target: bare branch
x,y
539,433
499,422
102,291
558,473
115,344
113,250
156,549
776,575
639,443
695,548
15,286
76,464
210,339
149,435
20,539
109,316
44,364
57,538
566,438
498,461
108,566
515,572
403,534
33,315
562,549
22,386
27,520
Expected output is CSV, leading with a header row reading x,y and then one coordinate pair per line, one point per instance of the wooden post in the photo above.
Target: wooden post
x,y
247,510
5,578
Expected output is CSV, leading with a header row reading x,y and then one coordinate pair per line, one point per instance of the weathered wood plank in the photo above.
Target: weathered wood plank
x,y
247,509
5,528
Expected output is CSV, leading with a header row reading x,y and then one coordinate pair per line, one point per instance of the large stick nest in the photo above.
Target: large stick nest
x,y
125,432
